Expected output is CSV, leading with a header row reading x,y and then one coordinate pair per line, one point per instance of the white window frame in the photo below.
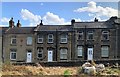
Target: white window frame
x,y
105,33
14,52
80,51
13,38
61,53
80,34
104,51
40,49
50,38
40,37
29,40
90,33
64,38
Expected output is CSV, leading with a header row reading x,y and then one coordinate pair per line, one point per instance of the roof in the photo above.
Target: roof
x,y
93,25
20,30
53,28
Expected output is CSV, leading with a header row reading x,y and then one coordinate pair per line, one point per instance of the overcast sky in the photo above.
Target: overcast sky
x,y
30,13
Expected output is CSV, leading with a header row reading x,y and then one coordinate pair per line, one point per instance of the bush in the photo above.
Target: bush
x,y
67,73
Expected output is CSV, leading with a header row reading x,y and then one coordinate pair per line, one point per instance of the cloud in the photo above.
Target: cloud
x,y
4,20
98,11
48,19
51,18
27,15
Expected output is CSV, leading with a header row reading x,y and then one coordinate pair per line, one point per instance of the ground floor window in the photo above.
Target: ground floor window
x,y
63,54
79,51
40,53
104,51
13,54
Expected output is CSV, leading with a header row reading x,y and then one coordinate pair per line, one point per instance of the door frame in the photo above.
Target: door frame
x,y
50,59
90,51
30,57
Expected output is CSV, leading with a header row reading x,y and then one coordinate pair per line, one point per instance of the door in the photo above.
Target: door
x,y
50,56
90,54
29,57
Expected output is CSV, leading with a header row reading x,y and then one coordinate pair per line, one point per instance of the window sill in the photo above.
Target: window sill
x,y
105,40
29,45
13,44
40,43
50,43
79,56
12,59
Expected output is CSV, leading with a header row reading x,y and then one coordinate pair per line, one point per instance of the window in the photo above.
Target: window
x,y
64,38
63,54
104,51
90,35
40,53
80,36
40,38
79,51
50,38
13,54
29,40
105,35
13,40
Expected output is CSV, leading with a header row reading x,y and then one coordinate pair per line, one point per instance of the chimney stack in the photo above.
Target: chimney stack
x,y
18,24
41,23
11,23
72,21
96,20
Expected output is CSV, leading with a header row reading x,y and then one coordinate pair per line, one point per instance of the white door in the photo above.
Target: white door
x,y
50,56
29,57
90,54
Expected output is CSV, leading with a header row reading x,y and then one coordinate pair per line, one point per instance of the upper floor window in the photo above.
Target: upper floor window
x,y
50,38
80,36
29,40
13,54
79,51
104,51
90,35
105,35
63,53
13,40
40,53
64,38
40,38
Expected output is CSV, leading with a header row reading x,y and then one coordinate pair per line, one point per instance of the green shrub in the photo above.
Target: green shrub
x,y
67,73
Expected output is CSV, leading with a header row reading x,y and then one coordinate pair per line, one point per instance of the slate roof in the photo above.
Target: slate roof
x,y
20,30
93,25
53,28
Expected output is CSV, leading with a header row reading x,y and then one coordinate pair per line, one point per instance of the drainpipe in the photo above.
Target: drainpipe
x,y
56,44
116,41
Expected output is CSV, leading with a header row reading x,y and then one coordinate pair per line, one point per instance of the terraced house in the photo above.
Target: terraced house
x,y
93,40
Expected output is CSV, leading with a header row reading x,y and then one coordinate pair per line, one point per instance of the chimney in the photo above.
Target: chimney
x,y
72,21
41,23
18,24
96,20
11,23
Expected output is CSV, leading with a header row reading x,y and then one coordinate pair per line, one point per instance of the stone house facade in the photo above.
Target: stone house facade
x,y
78,41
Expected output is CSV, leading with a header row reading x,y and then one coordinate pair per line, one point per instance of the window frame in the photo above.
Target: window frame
x,y
104,51
29,41
90,33
80,33
40,38
61,53
38,49
14,52
78,50
103,33
50,38
64,38
13,38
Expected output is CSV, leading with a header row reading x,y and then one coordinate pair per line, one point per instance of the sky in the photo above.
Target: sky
x,y
53,13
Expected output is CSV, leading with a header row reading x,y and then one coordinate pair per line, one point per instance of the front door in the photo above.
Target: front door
x,y
50,56
90,54
29,57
